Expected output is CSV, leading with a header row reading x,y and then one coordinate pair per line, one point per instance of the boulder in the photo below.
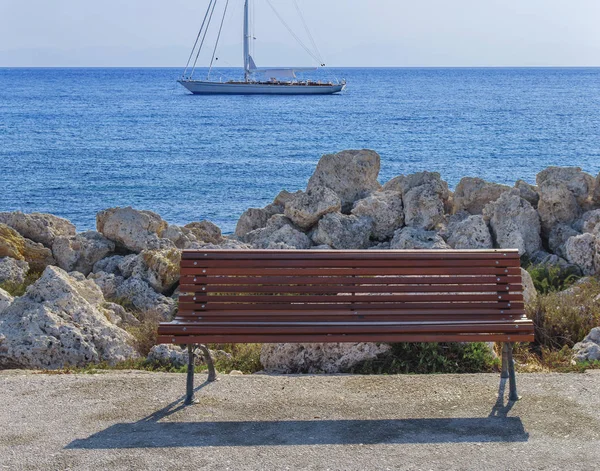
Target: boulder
x,y
558,236
351,174
514,223
589,222
284,197
409,238
133,229
557,205
542,257
250,220
14,245
13,271
385,209
38,227
529,292
596,193
473,194
159,268
405,183
423,207
5,301
318,358
60,322
193,235
279,233
528,192
589,348
169,355
581,250
578,183
343,232
468,232
305,209
80,252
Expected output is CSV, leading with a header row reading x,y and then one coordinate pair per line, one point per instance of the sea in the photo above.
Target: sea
x,y
76,141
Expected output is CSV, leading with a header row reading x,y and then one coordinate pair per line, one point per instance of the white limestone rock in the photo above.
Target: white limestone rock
x,y
557,205
514,223
470,232
13,271
472,194
385,209
5,300
423,208
133,229
38,227
589,348
171,355
589,222
193,235
14,245
528,192
60,321
159,268
318,358
351,174
582,251
558,237
81,251
343,232
529,292
410,238
279,233
306,208
405,183
579,184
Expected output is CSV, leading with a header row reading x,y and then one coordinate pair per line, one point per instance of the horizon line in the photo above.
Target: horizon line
x,y
318,68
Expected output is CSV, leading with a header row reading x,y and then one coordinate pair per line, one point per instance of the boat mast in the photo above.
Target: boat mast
x,y
246,42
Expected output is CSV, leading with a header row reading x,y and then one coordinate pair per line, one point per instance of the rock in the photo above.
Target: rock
x,y
557,205
135,294
578,183
168,355
529,292
423,207
469,232
409,238
589,348
250,220
528,192
5,301
473,194
118,315
544,258
581,250
385,209
514,223
279,233
159,268
236,373
133,229
14,245
317,358
405,183
38,227
558,236
343,232
380,246
60,321
305,209
596,193
193,235
351,174
111,264
284,196
13,271
589,222
80,252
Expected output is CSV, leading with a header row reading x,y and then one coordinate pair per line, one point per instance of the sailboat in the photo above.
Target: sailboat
x,y
257,81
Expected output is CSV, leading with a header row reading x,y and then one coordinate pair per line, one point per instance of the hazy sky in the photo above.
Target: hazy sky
x,y
348,32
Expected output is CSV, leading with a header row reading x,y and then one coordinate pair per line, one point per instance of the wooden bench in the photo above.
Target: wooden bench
x,y
268,296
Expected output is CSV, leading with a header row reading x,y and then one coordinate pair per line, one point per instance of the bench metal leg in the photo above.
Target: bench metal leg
x,y
504,373
189,396
512,380
212,374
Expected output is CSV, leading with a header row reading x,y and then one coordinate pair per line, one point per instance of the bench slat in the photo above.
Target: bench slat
x,y
351,271
329,264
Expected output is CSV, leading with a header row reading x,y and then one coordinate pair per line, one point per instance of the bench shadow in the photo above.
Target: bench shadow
x,y
151,433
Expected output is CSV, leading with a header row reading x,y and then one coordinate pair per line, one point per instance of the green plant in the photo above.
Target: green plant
x,y
549,278
19,289
565,318
145,334
425,358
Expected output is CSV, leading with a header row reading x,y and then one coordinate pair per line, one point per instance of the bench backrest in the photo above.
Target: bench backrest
x,y
342,286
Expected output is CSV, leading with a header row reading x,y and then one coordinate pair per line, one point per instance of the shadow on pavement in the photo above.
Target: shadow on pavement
x,y
151,433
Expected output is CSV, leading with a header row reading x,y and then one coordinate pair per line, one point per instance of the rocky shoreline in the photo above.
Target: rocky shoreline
x,y
85,288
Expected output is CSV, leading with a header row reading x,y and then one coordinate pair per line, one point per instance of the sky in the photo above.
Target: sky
x,y
348,33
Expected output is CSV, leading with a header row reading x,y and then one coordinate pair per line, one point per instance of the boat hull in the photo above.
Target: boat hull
x,y
198,87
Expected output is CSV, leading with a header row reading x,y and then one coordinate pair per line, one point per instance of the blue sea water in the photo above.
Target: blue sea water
x,y
75,141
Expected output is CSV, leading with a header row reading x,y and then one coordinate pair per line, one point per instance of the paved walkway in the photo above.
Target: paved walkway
x,y
135,420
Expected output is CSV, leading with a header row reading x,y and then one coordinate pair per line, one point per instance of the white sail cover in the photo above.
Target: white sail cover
x,y
285,72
